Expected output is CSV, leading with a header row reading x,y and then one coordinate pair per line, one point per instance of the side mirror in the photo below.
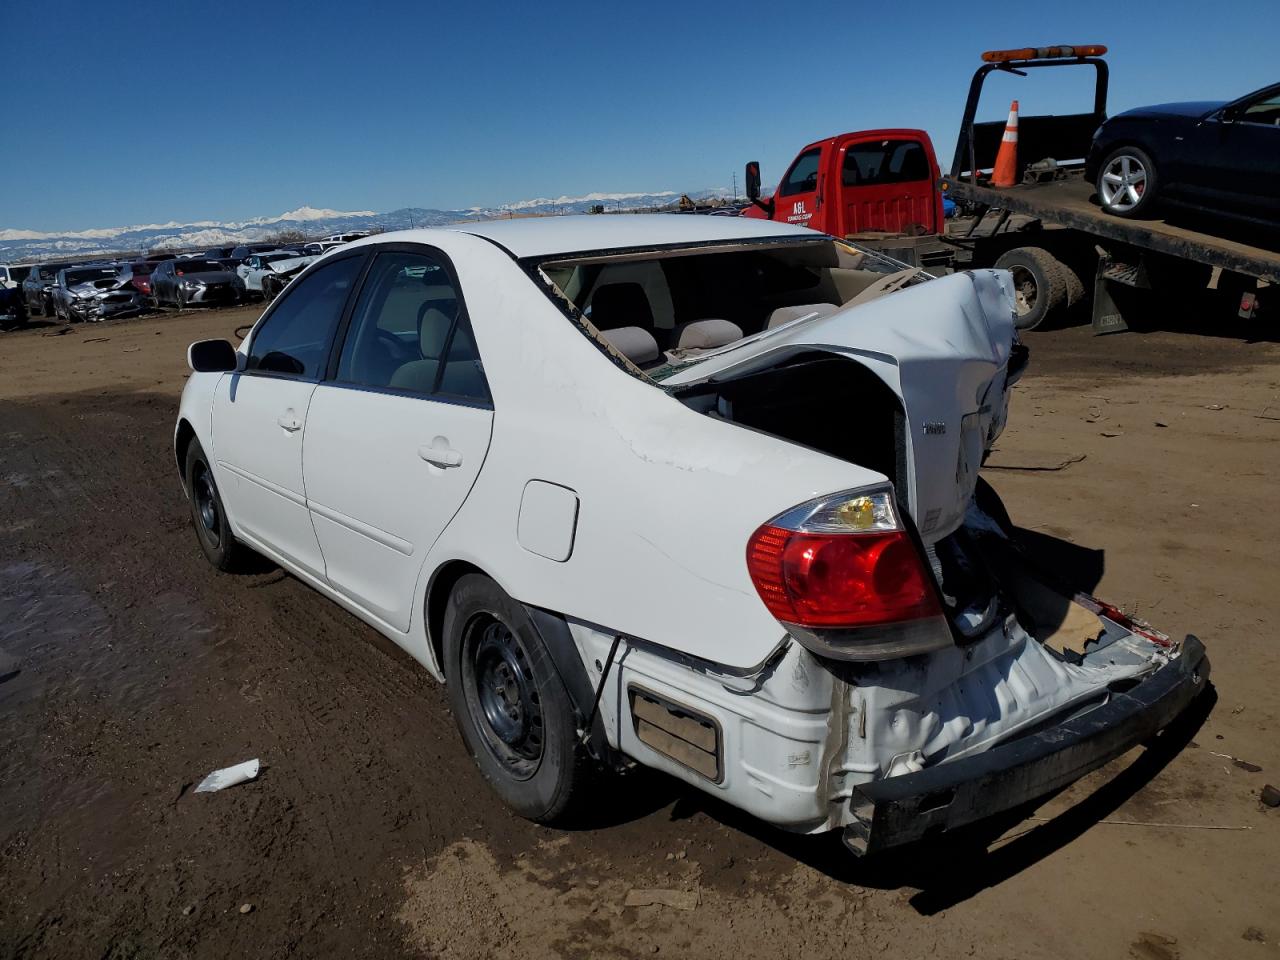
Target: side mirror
x,y
212,356
753,181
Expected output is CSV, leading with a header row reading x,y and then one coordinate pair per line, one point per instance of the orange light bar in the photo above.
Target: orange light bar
x,y
1044,53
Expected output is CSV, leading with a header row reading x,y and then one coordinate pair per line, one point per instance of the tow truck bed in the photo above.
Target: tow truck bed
x,y
1068,203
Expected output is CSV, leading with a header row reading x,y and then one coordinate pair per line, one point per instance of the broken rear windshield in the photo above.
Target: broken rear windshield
x,y
657,310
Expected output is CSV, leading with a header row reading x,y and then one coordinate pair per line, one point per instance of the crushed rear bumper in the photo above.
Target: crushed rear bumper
x,y
901,809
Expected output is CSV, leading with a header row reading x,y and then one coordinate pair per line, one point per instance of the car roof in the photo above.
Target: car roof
x,y
540,236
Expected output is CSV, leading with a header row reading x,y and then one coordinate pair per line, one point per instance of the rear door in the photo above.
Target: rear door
x,y
397,434
887,185
260,415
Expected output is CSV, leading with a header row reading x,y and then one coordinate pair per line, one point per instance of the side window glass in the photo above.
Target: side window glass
x,y
803,175
463,373
295,338
401,327
1265,110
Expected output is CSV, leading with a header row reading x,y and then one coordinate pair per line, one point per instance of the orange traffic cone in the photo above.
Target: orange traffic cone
x,y
1006,172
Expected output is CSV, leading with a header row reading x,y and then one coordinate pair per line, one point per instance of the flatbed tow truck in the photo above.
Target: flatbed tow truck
x,y
1046,229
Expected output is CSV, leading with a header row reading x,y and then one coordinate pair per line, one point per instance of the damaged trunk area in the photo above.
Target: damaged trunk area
x,y
828,403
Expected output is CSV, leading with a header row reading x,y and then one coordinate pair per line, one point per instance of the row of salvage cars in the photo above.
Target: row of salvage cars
x,y
694,493
86,292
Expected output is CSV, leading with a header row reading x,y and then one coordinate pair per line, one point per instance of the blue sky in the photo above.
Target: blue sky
x,y
200,110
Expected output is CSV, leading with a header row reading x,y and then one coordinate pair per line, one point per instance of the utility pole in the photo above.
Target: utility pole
x,y
735,186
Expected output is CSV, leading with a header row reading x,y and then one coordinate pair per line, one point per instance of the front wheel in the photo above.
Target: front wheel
x,y
219,544
1127,182
509,702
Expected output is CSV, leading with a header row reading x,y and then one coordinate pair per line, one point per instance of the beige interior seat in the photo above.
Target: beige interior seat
x,y
635,343
787,314
706,334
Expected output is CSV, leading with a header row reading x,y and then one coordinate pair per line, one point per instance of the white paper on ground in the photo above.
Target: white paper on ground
x,y
228,777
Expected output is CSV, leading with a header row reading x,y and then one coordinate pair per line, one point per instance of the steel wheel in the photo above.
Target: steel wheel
x,y
206,502
1123,182
501,695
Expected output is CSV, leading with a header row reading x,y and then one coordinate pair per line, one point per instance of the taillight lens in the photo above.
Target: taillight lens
x,y
844,563
839,579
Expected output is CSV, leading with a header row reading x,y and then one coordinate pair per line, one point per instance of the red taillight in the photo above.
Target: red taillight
x,y
840,579
141,284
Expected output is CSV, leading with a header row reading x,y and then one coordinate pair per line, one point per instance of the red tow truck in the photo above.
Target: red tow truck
x,y
884,189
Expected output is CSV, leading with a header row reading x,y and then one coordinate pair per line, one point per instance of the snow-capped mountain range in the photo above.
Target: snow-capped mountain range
x,y
24,245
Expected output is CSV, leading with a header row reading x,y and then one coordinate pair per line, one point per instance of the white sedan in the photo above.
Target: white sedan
x,y
697,493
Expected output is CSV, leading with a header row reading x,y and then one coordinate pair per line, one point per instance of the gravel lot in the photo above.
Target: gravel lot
x,y
369,832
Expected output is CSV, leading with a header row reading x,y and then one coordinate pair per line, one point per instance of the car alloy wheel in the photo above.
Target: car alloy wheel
x,y
1123,183
501,695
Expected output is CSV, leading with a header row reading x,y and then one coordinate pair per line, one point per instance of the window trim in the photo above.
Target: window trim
x,y
270,311
343,330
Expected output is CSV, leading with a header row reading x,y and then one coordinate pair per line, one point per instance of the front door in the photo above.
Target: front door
x,y
260,415
796,199
396,439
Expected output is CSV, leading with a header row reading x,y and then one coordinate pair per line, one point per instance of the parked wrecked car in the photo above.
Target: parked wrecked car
x,y
281,273
37,289
243,252
1215,156
689,492
204,282
259,264
86,293
138,275
13,311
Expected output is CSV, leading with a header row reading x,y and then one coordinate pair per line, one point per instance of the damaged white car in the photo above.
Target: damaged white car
x,y
691,492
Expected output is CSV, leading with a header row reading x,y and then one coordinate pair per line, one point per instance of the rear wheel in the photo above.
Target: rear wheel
x,y
219,544
1127,182
1039,285
509,702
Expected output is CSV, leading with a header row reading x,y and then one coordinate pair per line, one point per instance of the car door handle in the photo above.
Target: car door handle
x,y
289,422
440,454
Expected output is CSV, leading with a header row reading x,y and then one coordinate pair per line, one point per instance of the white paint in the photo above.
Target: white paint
x,y
548,520
590,492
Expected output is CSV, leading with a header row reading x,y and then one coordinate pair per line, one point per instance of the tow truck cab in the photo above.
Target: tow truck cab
x,y
865,184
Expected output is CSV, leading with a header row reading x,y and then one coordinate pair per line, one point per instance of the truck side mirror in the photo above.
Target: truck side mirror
x,y
753,181
212,356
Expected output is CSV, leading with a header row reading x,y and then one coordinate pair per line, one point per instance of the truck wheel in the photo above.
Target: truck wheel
x,y
219,544
1127,182
1039,285
509,702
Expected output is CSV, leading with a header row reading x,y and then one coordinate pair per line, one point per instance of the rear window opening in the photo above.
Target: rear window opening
x,y
657,310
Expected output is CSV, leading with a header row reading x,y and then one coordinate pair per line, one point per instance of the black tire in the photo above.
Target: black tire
x,y
219,544
1127,162
509,702
1040,283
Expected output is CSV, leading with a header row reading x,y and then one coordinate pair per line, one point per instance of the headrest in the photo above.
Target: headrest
x,y
620,305
787,314
433,327
634,343
707,334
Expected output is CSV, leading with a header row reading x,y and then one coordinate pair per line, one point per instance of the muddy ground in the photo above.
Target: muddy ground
x,y
369,832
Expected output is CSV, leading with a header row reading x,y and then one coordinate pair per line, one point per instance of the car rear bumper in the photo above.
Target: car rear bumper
x,y
898,810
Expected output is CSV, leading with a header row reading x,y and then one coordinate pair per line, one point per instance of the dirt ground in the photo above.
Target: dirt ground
x,y
370,833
